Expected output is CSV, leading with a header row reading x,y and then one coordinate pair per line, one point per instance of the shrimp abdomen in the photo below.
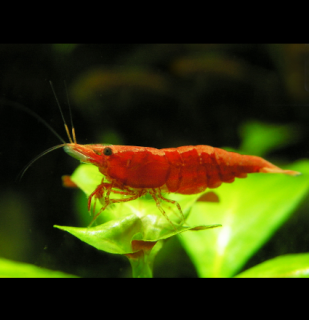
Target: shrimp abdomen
x,y
195,168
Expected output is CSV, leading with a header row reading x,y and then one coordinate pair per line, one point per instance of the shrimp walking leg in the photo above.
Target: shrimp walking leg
x,y
109,201
173,202
156,198
98,193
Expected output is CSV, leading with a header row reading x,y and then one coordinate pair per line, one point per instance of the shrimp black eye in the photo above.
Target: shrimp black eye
x,y
107,151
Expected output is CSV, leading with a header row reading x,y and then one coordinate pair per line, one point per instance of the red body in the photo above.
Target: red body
x,y
185,170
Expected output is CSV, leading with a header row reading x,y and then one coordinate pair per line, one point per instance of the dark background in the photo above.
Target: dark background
x,y
157,95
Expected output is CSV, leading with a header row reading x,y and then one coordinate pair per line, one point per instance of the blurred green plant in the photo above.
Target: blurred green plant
x,y
261,138
14,269
286,266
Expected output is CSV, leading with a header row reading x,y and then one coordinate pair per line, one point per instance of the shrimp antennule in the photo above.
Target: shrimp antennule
x,y
63,119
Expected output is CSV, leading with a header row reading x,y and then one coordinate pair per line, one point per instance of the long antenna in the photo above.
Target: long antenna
x,y
71,117
64,122
33,114
18,178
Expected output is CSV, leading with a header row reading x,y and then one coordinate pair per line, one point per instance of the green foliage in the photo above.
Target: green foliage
x,y
13,269
287,266
250,211
116,236
260,138
136,229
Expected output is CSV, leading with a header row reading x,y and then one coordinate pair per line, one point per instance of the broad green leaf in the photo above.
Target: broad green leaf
x,y
116,236
287,266
128,236
250,211
122,223
14,269
136,228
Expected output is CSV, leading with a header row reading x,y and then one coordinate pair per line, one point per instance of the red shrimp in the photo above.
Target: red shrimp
x,y
134,171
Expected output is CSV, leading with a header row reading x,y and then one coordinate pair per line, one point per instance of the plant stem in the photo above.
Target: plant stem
x,y
141,268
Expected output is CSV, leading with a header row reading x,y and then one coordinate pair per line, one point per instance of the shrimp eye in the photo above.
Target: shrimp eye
x,y
107,151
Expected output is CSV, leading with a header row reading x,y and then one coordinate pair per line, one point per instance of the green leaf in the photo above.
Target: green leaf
x,y
14,269
136,228
250,211
287,266
116,236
